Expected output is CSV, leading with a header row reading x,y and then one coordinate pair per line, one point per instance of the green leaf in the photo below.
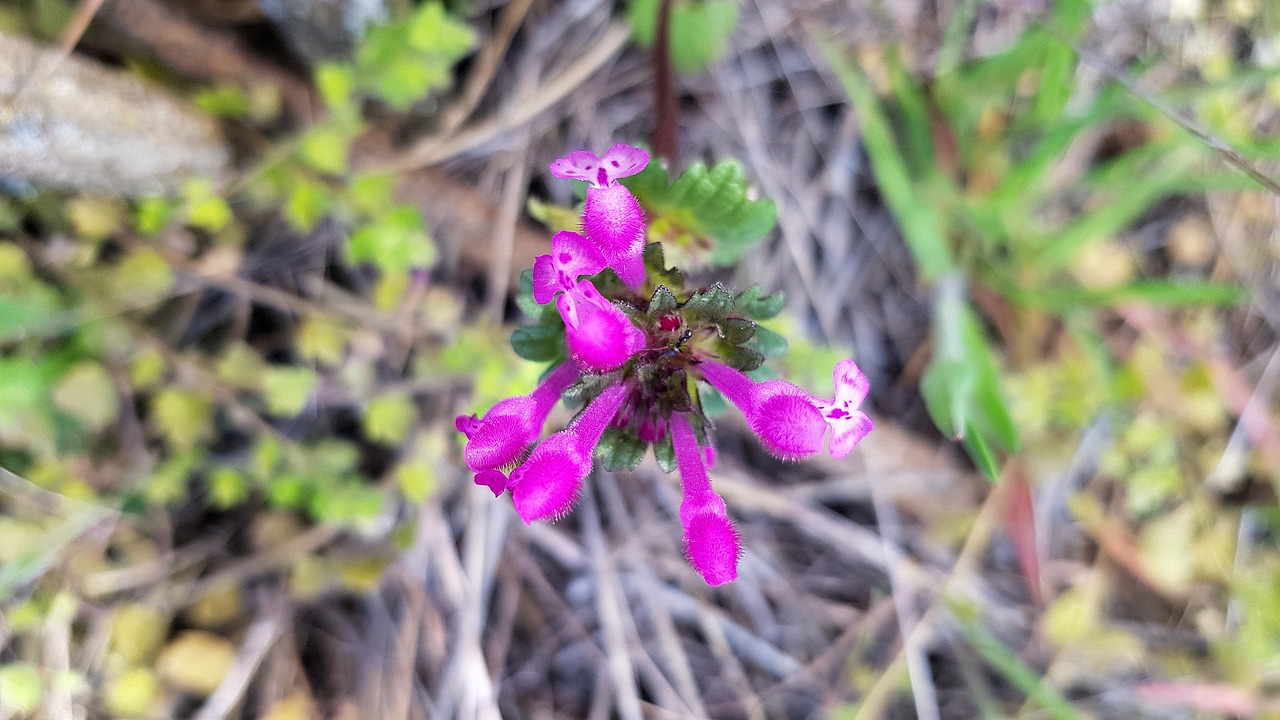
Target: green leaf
x,y
754,304
152,214
961,385
324,148
712,305
663,302
736,331
181,416
699,29
921,224
434,31
227,487
224,100
396,243
1160,292
713,403
307,205
769,343
336,84
416,480
704,207
87,393
665,453
524,299
143,276
739,357
539,343
286,389
388,418
206,209
619,450
373,193
20,688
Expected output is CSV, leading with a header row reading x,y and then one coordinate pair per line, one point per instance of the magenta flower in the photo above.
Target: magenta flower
x,y
498,441
783,415
612,216
599,336
848,424
710,540
572,256
547,484
647,349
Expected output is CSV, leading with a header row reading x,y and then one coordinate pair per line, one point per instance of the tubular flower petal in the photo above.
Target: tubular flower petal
x,y
547,484
599,336
848,424
710,541
713,547
612,216
502,436
781,414
572,256
615,224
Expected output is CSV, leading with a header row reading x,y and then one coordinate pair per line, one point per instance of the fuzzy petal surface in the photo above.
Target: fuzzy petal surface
x,y
577,165
849,425
712,545
784,417
502,436
622,161
614,223
599,336
571,257
547,485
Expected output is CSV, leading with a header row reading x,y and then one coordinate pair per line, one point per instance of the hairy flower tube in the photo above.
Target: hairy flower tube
x,y
498,441
612,216
635,348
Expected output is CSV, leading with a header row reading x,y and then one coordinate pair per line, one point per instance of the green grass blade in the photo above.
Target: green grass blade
x,y
920,223
1008,664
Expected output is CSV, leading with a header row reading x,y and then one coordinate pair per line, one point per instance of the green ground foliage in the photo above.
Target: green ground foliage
x,y
149,371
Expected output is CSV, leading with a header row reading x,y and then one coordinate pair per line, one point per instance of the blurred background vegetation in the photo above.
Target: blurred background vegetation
x,y
255,255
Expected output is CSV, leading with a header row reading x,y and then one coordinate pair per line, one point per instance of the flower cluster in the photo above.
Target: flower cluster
x,y
632,345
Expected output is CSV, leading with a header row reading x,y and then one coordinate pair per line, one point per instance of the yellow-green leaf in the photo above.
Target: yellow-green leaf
x,y
196,661
286,389
181,416
87,393
388,418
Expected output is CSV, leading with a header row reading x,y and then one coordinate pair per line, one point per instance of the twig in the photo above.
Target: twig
x,y
664,89
922,688
486,65
437,148
261,636
79,23
1233,156
609,606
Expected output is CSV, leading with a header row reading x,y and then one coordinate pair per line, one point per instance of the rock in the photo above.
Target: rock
x,y
74,123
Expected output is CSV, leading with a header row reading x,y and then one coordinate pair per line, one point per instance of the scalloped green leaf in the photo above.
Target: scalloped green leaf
x,y
705,206
619,450
754,304
539,343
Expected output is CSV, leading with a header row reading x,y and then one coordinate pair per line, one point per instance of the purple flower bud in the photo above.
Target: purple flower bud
x,y
612,216
572,256
710,541
784,416
502,436
547,484
599,336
